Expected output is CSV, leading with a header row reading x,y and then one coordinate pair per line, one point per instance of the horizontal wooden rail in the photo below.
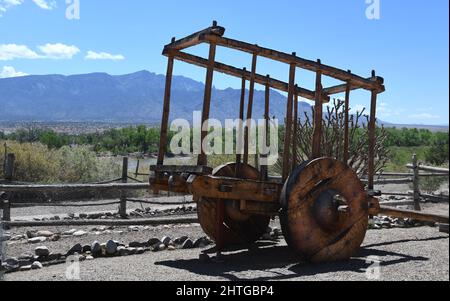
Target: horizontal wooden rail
x,y
443,171
73,187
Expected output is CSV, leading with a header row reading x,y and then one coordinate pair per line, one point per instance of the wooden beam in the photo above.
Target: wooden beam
x,y
300,62
240,130
193,39
166,111
372,129
233,71
251,94
318,115
202,158
264,167
73,187
342,88
294,136
288,123
425,217
346,124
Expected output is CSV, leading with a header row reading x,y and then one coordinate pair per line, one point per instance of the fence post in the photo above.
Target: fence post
x,y
416,184
123,197
9,167
6,211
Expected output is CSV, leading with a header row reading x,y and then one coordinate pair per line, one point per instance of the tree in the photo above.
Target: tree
x,y
438,152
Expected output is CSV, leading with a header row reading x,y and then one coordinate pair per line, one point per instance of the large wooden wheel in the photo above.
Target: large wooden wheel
x,y
238,228
324,213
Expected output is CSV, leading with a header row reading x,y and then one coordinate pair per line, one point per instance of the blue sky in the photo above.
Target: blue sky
x,y
408,45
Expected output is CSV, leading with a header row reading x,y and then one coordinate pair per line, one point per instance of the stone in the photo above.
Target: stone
x,y
83,215
96,249
25,268
24,262
36,240
55,237
78,248
180,240
171,248
87,248
154,242
70,232
25,256
36,265
133,228
188,244
136,244
42,251
111,247
89,257
45,233
79,233
31,234
166,240
81,258
200,243
132,251
122,251
140,251
18,237
12,262
54,256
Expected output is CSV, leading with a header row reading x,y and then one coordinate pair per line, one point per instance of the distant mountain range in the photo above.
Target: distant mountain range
x,y
131,98
135,98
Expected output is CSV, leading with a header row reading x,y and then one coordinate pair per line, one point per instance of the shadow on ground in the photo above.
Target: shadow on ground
x,y
267,257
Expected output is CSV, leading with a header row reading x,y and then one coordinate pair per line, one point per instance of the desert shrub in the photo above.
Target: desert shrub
x,y
438,152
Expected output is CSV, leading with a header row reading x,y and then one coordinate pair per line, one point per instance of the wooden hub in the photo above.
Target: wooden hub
x,y
324,211
237,227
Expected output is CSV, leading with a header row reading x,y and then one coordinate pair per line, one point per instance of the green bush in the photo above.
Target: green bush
x,y
438,152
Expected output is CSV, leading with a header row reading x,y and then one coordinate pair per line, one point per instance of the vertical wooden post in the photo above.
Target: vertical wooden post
x,y
6,211
166,111
288,124
123,197
294,139
318,115
240,130
9,167
202,158
346,123
416,183
251,94
372,135
264,167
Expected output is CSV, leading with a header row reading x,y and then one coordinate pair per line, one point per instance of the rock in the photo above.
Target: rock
x,y
36,265
70,232
79,233
25,268
55,237
111,247
54,256
25,256
180,240
122,251
96,249
87,248
160,247
188,244
18,237
200,243
31,234
140,251
133,228
152,242
45,233
81,258
83,215
78,248
36,240
171,248
166,240
42,251
12,263
203,257
136,244
24,262
132,251
89,257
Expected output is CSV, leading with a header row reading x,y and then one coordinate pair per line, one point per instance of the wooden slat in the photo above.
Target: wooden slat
x,y
288,124
343,87
233,71
193,39
318,115
300,62
251,94
240,130
372,128
73,187
420,216
346,124
443,171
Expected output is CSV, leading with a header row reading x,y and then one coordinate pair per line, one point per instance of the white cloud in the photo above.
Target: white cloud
x,y
92,55
9,71
58,51
44,4
14,51
426,116
7,4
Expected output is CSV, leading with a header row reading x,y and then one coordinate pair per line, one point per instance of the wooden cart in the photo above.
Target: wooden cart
x,y
323,206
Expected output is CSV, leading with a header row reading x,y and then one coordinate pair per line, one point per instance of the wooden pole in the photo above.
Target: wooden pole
x,y
294,139
288,125
346,123
372,129
251,94
123,197
240,133
6,211
264,167
416,183
166,112
318,112
9,167
202,158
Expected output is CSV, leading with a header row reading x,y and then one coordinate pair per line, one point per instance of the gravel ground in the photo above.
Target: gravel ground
x,y
403,254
